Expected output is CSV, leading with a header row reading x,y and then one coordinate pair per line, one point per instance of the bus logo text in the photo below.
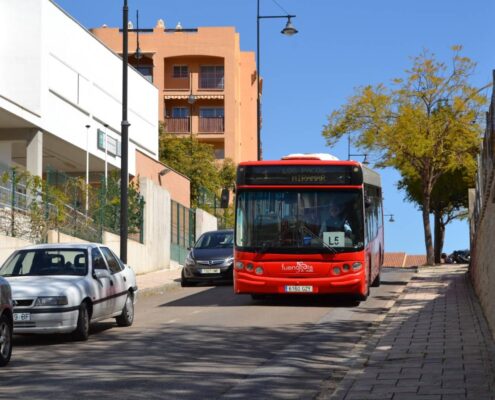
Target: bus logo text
x,y
299,267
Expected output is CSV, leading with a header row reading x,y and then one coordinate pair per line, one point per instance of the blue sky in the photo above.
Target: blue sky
x,y
341,45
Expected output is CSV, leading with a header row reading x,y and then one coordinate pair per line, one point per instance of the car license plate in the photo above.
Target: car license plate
x,y
22,317
299,289
210,271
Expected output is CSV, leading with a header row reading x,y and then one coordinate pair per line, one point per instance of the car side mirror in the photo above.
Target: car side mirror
x,y
101,273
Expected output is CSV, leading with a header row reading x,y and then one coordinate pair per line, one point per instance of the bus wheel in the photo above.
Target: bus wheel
x,y
361,296
377,281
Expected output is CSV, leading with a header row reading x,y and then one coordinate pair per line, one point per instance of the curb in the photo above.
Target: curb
x,y
339,385
166,287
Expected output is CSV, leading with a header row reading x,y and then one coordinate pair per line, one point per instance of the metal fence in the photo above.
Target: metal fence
x,y
485,173
29,214
183,225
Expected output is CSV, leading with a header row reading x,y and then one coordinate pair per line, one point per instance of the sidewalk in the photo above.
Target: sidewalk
x,y
434,344
158,280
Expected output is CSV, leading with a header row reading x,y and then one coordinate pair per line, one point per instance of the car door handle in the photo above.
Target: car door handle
x,y
125,279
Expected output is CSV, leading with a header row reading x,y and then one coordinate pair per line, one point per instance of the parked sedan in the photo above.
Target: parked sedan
x,y
211,259
62,288
6,322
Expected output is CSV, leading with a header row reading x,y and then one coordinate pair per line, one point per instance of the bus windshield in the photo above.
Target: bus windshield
x,y
299,221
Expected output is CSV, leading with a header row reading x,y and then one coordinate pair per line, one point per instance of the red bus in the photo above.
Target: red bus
x,y
307,224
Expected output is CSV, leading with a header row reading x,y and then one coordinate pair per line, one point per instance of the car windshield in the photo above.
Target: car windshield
x,y
216,240
46,262
295,221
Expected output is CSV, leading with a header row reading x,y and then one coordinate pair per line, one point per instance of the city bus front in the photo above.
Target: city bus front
x,y
299,239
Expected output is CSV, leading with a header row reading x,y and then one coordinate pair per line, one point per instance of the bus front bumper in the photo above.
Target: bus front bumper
x,y
345,284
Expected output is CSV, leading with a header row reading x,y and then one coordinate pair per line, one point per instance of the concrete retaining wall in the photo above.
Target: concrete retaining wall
x,y
482,261
8,244
205,222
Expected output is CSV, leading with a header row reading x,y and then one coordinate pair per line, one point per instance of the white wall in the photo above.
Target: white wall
x,y
52,66
8,244
205,222
21,53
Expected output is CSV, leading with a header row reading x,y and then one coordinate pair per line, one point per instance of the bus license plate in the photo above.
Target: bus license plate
x,y
210,271
299,289
22,317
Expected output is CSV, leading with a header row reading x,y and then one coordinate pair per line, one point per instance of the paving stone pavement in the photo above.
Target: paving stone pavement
x,y
434,344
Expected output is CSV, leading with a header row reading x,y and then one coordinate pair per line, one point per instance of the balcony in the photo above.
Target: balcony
x,y
211,125
178,125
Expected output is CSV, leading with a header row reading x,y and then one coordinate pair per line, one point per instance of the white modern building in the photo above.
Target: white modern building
x,y
60,94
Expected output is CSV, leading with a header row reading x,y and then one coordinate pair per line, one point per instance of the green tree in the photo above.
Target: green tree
x,y
449,200
197,161
425,125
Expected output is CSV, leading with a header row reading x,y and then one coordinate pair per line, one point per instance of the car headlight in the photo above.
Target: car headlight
x,y
190,260
229,260
51,301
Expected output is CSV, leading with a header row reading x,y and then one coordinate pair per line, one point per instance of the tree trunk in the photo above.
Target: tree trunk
x,y
439,236
430,260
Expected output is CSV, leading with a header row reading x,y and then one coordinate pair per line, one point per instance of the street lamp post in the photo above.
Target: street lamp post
x,y
391,217
124,167
87,169
289,30
106,154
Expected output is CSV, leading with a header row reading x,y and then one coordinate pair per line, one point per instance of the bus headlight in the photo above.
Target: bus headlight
x,y
259,270
239,265
346,267
249,267
336,270
356,266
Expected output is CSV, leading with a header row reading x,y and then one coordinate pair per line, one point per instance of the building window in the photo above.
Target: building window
x,y
180,112
146,71
180,72
211,112
219,154
211,77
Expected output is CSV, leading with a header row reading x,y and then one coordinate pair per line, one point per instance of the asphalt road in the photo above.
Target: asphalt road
x,y
204,343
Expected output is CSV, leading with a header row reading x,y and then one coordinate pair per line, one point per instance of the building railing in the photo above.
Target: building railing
x,y
486,171
211,124
178,125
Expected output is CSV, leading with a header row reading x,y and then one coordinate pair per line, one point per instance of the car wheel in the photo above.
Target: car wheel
x,y
184,282
127,316
5,340
82,331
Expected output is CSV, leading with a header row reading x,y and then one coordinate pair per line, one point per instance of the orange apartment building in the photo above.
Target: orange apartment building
x,y
207,85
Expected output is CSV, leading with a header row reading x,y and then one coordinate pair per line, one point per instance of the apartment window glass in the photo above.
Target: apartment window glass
x,y
180,112
219,154
180,71
211,77
211,112
146,71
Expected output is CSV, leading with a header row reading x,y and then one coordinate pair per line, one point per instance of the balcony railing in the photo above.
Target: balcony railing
x,y
211,124
178,125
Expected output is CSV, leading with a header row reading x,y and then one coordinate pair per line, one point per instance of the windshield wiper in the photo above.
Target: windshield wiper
x,y
305,229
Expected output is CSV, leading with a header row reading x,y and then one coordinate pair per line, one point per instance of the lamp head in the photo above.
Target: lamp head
x,y
289,29
391,218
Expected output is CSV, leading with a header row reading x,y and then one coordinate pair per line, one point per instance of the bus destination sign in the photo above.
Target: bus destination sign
x,y
299,175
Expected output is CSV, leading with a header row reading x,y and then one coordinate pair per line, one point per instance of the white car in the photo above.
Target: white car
x,y
62,288
5,322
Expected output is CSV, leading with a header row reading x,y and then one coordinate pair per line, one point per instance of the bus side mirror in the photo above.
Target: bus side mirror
x,y
367,201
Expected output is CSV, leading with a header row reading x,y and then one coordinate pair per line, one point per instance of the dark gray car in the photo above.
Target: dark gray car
x,y
211,259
